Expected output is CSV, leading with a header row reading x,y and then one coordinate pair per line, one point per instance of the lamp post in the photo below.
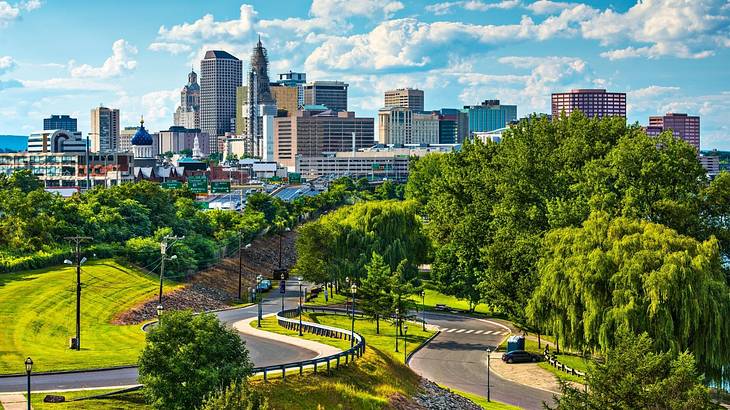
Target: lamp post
x,y
405,343
396,329
258,288
353,290
300,307
159,312
28,369
423,308
489,356
347,281
283,290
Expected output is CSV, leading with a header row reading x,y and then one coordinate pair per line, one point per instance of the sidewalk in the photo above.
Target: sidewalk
x,y
529,374
13,402
322,350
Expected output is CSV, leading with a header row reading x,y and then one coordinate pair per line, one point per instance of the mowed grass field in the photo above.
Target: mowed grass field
x,y
38,316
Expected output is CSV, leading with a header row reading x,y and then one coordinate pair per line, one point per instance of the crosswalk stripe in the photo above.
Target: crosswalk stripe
x,y
478,332
460,330
450,330
487,332
469,331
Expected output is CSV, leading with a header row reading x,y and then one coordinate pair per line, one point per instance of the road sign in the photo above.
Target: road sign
x,y
198,184
295,178
171,184
282,286
220,187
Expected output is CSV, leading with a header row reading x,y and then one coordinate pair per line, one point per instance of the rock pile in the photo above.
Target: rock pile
x,y
434,397
195,297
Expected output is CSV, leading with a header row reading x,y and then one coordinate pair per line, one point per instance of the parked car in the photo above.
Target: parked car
x,y
264,285
520,356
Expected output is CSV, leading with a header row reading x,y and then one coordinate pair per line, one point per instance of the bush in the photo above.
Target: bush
x,y
237,396
188,357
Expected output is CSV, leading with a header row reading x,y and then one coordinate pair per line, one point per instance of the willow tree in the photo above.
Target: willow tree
x,y
636,275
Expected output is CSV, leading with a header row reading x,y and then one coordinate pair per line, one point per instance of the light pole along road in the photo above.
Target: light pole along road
x,y
457,358
262,352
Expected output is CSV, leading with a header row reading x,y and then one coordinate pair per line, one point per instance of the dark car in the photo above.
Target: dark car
x,y
520,356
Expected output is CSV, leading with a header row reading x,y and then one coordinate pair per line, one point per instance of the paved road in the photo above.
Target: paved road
x,y
457,358
263,352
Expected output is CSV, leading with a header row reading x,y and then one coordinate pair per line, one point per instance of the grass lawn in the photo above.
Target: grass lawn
x,y
335,299
133,400
38,308
434,298
482,401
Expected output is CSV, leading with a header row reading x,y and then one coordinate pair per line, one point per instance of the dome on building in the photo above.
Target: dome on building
x,y
142,137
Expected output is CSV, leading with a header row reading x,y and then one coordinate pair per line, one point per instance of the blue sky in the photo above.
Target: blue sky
x,y
668,55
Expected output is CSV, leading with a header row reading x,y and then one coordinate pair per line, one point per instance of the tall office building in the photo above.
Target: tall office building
x,y
188,113
453,125
686,127
56,140
287,98
259,108
60,122
405,97
331,94
591,102
178,139
104,129
490,115
403,126
314,131
220,75
297,80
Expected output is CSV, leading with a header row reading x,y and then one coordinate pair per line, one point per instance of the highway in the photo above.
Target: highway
x,y
457,358
263,352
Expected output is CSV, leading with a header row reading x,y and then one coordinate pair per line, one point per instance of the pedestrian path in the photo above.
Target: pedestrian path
x,y
473,331
13,402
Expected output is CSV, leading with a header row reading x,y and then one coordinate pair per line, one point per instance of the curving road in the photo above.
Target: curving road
x,y
457,358
263,352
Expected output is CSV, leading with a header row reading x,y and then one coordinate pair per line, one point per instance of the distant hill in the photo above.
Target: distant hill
x,y
13,143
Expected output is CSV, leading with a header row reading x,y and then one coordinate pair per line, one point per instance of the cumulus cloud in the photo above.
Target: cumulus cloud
x,y
342,9
471,5
207,27
172,48
8,13
6,64
159,105
120,62
548,7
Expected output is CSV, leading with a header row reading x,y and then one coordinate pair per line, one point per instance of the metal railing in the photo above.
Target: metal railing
x,y
285,319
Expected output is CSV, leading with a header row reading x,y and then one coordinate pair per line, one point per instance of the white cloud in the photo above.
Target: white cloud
x,y
7,64
652,91
548,7
172,48
30,5
8,13
471,5
342,9
119,63
159,106
656,51
73,84
207,27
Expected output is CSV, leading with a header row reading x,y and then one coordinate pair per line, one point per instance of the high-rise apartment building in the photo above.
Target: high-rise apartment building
x,y
220,75
591,102
125,139
490,115
60,122
686,127
331,94
104,129
411,98
188,113
312,132
403,126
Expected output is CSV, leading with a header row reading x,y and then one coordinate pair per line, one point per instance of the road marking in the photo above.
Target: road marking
x,y
505,333
450,330
478,332
460,330
487,332
469,331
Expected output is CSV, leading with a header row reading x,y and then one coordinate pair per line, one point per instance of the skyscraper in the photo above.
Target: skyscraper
x,y
188,113
60,122
331,94
292,79
490,115
591,102
259,109
104,129
405,97
686,127
403,126
220,74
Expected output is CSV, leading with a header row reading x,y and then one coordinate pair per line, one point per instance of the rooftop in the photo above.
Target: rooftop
x,y
210,54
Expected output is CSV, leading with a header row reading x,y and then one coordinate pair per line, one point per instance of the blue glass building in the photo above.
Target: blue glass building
x,y
489,116
60,122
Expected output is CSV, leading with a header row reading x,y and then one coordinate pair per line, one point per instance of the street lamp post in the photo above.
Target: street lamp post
x,y
423,308
300,307
489,356
159,312
260,296
396,329
28,368
405,343
282,292
353,290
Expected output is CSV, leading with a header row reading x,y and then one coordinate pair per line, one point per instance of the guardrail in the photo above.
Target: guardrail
x,y
285,319
560,366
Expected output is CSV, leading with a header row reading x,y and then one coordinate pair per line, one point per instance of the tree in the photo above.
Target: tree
x,y
634,377
236,396
374,291
401,288
187,357
716,211
455,272
642,276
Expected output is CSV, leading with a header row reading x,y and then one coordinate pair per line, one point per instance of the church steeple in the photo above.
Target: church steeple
x,y
260,66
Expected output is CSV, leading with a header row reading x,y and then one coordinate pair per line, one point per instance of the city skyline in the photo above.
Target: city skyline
x,y
458,52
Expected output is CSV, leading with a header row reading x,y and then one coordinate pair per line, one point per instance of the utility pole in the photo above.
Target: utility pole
x,y
78,240
163,252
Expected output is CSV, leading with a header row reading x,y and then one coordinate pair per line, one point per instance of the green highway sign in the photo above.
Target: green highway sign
x,y
220,187
171,184
198,184
295,178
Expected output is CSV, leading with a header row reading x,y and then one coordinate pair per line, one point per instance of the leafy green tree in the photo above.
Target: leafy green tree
x,y
402,287
187,357
716,211
236,396
22,179
374,291
386,190
455,273
642,276
634,377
